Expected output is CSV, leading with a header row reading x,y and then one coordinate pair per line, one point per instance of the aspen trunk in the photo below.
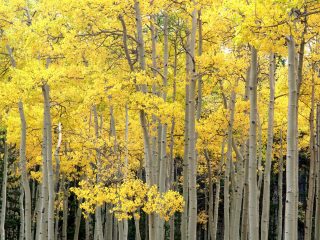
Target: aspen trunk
x,y
252,174
24,174
152,218
280,184
43,222
184,216
291,188
192,161
163,144
108,226
45,91
77,222
259,151
66,212
228,167
210,192
317,203
22,217
4,192
237,194
137,225
217,197
87,227
98,221
311,180
267,172
245,205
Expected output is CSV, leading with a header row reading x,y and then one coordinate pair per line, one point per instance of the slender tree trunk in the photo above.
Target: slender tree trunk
x,y
259,151
217,197
4,192
311,180
98,220
137,225
245,205
192,178
163,146
108,226
266,180
253,199
66,211
51,190
42,226
280,184
210,192
22,216
77,222
24,174
317,203
291,188
87,228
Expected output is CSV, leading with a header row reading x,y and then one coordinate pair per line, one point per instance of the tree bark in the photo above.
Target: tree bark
x,y
4,192
24,174
311,180
317,203
253,200
51,190
267,172
192,161
291,188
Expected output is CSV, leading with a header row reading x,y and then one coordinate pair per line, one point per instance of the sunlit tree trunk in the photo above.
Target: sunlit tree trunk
x,y
43,222
280,187
311,180
267,172
192,161
4,192
163,152
291,188
22,217
98,220
66,211
77,222
237,193
51,195
245,205
24,174
184,218
253,200
317,203
210,192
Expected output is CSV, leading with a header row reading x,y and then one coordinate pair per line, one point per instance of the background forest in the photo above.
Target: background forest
x,y
171,119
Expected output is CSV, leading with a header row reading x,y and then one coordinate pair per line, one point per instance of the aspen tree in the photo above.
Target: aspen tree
x,y
280,189
51,195
4,192
267,172
252,174
24,175
317,202
290,227
192,161
311,180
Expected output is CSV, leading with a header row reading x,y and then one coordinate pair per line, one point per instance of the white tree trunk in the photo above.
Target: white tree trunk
x,y
317,203
51,190
192,161
311,180
24,174
267,172
280,187
4,192
291,188
253,199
